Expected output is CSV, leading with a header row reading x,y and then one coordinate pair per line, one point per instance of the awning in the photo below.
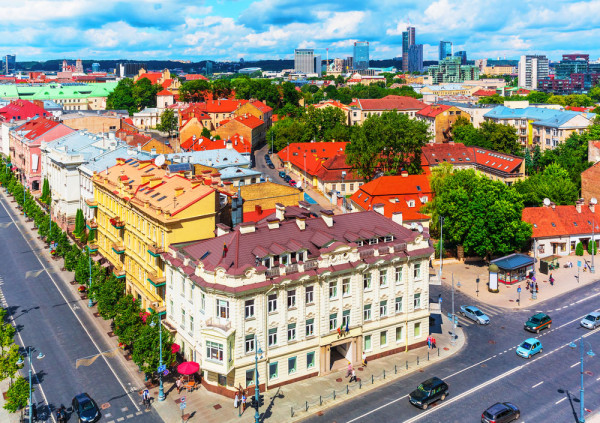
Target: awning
x,y
107,264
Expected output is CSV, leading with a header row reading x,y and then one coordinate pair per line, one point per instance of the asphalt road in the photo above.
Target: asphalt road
x,y
49,318
487,370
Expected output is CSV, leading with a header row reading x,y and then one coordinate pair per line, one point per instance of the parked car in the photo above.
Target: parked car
x,y
474,314
591,321
537,322
292,183
86,408
267,157
429,392
529,347
282,174
271,165
287,178
501,412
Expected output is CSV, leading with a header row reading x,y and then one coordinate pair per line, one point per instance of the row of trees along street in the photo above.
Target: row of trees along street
x,y
131,324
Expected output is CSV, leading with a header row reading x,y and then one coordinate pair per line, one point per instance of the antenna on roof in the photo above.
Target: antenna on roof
x,y
160,160
546,202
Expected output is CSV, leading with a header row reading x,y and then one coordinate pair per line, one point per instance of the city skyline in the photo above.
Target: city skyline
x,y
272,29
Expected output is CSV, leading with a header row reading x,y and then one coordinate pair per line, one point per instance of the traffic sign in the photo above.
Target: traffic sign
x,y
578,263
162,368
519,289
166,372
182,399
182,406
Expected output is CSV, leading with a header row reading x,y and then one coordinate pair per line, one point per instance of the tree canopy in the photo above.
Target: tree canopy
x,y
133,97
168,122
491,135
554,183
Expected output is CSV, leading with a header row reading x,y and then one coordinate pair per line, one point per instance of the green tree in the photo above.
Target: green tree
x,y
557,99
45,197
144,93
146,351
592,247
82,268
121,98
128,323
290,95
499,137
493,99
595,93
194,91
387,143
9,357
221,88
168,122
286,131
79,223
107,295
72,257
464,132
553,183
538,97
579,249
17,396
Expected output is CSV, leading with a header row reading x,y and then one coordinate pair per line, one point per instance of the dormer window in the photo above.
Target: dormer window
x,y
267,262
389,238
284,259
411,203
373,241
360,242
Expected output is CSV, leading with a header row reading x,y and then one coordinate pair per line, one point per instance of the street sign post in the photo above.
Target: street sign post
x,y
519,292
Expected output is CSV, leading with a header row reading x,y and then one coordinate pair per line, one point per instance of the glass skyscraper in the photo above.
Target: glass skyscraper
x,y
408,40
361,55
445,49
10,61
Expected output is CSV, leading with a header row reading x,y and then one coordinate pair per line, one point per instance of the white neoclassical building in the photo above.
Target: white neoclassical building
x,y
312,293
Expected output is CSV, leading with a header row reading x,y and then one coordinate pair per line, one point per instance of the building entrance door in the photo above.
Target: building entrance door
x,y
341,354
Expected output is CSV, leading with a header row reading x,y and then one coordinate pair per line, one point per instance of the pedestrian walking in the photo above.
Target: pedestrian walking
x,y
429,342
349,372
551,279
527,286
433,342
537,289
364,359
179,385
243,402
236,401
353,377
146,398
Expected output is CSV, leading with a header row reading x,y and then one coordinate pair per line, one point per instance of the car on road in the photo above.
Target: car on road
x,y
475,314
501,412
537,322
85,407
267,157
287,178
292,183
282,174
529,347
591,321
271,165
429,392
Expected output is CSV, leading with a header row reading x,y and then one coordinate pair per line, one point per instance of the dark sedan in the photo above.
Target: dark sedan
x,y
86,408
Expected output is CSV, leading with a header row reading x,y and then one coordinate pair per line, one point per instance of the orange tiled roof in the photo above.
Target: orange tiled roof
x,y
164,92
433,110
559,221
249,120
194,76
261,106
334,103
484,93
201,143
152,76
316,153
390,102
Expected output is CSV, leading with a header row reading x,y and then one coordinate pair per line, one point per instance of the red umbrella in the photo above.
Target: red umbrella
x,y
175,348
188,368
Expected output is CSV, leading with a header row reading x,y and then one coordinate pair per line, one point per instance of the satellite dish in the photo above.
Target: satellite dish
x,y
593,200
420,228
160,160
546,201
413,225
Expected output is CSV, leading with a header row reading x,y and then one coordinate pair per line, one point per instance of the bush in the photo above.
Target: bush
x,y
592,247
579,249
17,395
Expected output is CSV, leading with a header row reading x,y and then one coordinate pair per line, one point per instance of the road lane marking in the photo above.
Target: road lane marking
x,y
75,314
573,365
560,400
537,384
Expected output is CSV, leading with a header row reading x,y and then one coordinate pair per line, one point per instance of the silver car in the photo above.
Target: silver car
x,y
474,314
591,321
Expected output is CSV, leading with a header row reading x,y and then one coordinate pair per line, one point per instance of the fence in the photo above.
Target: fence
x,y
402,367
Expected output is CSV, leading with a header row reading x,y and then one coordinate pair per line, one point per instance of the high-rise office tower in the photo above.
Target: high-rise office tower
x,y
10,61
415,58
463,56
445,49
408,39
318,66
304,60
361,55
531,70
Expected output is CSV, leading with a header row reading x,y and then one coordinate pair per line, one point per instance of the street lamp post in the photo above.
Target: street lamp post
x,y
21,361
592,269
90,302
24,212
581,390
453,315
441,246
161,390
257,351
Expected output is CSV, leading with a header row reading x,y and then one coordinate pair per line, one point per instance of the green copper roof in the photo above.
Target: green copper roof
x,y
56,91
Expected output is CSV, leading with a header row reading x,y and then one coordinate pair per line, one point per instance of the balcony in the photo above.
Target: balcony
x,y
272,272
367,253
311,264
118,248
119,271
117,223
222,324
93,248
160,310
155,280
92,204
291,268
155,250
92,226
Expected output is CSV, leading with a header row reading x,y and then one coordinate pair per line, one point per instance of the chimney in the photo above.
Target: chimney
x,y
553,205
195,182
247,227
327,216
146,178
258,209
404,174
378,208
154,182
222,229
273,223
397,218
178,191
577,206
304,204
301,222
279,211
592,207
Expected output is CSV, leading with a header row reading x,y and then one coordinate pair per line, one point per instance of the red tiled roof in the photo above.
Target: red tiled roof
x,y
391,103
194,76
433,110
334,103
167,83
201,143
164,92
560,221
455,153
37,127
496,161
484,93
332,168
152,76
249,120
316,153
261,106
523,91
221,106
255,216
21,110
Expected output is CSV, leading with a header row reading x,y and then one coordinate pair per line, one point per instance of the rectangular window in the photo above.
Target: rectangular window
x,y
291,332
202,302
346,318
182,318
367,343
332,289
333,321
398,306
417,301
223,309
310,360
273,370
249,309
310,327
383,308
291,298
367,281
249,344
310,290
249,377
272,337
417,271
291,365
367,312
398,275
191,324
272,304
399,336
417,330
383,338
383,278
214,351
345,286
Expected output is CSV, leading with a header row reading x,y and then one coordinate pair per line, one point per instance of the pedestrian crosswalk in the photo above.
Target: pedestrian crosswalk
x,y
489,310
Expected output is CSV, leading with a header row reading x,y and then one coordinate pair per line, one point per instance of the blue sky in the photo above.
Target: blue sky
x,y
261,29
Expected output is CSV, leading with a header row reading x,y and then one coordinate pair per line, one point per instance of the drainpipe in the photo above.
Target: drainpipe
x,y
407,304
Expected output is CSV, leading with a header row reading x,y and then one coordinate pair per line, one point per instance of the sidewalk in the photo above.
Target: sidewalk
x,y
289,402
565,280
5,416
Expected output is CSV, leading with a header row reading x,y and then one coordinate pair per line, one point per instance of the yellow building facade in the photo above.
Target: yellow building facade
x,y
141,210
